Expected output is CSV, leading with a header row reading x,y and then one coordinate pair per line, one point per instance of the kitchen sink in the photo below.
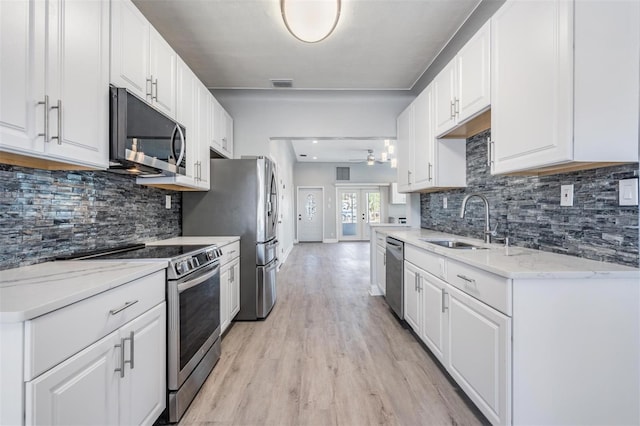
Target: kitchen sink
x,y
453,244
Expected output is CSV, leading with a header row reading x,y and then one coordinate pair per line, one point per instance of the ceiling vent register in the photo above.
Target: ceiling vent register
x,y
282,83
343,173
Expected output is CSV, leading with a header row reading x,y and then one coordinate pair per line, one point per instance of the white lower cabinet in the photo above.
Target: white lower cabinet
x,y
471,339
229,284
381,267
479,354
120,379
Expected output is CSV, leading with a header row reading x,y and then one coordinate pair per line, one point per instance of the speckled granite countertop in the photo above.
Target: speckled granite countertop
x,y
513,262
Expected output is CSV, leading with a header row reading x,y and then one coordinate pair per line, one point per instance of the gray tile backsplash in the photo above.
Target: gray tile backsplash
x,y
527,209
44,214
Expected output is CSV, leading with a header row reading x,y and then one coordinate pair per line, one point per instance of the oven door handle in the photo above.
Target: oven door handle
x,y
192,282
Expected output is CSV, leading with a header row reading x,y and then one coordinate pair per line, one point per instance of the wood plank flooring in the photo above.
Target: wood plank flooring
x,y
328,354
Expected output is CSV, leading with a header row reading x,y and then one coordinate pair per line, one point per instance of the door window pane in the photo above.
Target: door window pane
x,y
373,207
349,213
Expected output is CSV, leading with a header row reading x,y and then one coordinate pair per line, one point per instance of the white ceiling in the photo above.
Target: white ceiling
x,y
332,150
377,45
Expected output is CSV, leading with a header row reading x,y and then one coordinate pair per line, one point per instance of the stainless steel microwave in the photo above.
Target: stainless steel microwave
x,y
143,141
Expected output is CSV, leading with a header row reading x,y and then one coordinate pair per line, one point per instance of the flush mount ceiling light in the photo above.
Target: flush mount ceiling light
x,y
310,21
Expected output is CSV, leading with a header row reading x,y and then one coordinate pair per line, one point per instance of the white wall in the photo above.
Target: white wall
x,y
324,175
262,115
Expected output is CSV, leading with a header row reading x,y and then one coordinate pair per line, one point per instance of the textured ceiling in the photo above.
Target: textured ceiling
x,y
334,150
377,45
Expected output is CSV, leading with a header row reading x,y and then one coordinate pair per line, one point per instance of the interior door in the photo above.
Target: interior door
x,y
359,207
310,202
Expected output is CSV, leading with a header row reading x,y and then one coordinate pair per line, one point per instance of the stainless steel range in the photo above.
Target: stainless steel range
x,y
193,315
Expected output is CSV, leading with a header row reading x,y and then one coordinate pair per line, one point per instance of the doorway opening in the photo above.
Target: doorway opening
x,y
358,207
310,207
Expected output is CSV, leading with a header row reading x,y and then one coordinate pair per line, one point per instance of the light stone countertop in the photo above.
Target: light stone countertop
x,y
35,290
219,241
514,262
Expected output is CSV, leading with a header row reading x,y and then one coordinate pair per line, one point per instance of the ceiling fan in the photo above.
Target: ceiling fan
x,y
370,159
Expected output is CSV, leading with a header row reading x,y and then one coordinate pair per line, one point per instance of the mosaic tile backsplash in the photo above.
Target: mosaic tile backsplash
x,y
527,209
44,214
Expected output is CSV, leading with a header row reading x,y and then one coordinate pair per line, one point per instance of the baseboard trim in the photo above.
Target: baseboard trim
x,y
374,290
330,240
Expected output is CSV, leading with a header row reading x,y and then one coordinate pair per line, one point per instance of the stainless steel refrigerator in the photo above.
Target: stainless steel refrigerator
x,y
242,201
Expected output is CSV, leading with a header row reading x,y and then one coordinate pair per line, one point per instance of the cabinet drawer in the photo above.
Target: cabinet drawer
x,y
230,252
489,288
381,239
432,263
54,337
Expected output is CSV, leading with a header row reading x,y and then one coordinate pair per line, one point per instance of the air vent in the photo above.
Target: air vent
x,y
343,173
285,83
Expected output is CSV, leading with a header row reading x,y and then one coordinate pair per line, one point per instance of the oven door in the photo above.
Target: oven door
x,y
193,321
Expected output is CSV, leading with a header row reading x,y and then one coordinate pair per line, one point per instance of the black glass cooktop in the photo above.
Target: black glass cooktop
x,y
153,252
139,252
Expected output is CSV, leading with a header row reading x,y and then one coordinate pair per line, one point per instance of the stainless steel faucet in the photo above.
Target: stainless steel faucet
x,y
487,229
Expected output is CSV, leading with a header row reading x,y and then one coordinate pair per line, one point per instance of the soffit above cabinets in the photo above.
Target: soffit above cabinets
x,y
377,45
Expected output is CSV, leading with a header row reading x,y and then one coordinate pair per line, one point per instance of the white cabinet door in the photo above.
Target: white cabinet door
x,y
225,319
423,141
473,69
78,80
479,354
444,86
227,141
162,66
531,84
21,118
412,297
82,390
405,148
381,268
143,387
434,317
186,115
234,290
130,49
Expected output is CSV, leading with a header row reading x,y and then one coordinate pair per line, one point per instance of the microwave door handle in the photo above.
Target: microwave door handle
x,y
173,144
182,146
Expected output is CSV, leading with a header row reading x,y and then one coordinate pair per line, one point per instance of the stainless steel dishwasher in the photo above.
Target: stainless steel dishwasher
x,y
395,276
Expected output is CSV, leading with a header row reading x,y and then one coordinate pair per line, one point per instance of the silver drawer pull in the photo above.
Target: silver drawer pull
x,y
123,307
469,280
131,351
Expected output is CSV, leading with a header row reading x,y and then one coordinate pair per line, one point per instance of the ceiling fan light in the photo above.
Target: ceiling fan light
x,y
310,21
370,162
390,149
394,163
383,156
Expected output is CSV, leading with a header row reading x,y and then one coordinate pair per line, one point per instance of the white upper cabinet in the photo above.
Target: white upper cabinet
x,y
141,60
55,84
462,89
424,162
404,130
564,85
222,131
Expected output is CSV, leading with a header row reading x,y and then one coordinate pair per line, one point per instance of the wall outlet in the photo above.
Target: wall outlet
x,y
566,195
628,192
444,203
167,202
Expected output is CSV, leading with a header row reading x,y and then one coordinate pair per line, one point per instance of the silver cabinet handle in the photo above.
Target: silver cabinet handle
x,y
467,279
131,351
155,83
430,172
416,284
46,118
384,259
121,369
456,108
59,108
149,85
123,307
408,176
452,112
444,307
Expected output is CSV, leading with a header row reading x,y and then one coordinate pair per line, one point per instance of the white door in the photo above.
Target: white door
x,y
443,99
479,354
423,140
473,69
359,207
224,297
310,206
143,387
381,267
234,289
82,390
412,302
434,315
162,65
130,49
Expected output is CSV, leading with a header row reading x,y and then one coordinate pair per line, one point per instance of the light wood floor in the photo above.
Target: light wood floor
x,y
328,354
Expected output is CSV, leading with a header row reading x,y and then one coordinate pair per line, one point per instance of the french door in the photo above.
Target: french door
x,y
358,207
